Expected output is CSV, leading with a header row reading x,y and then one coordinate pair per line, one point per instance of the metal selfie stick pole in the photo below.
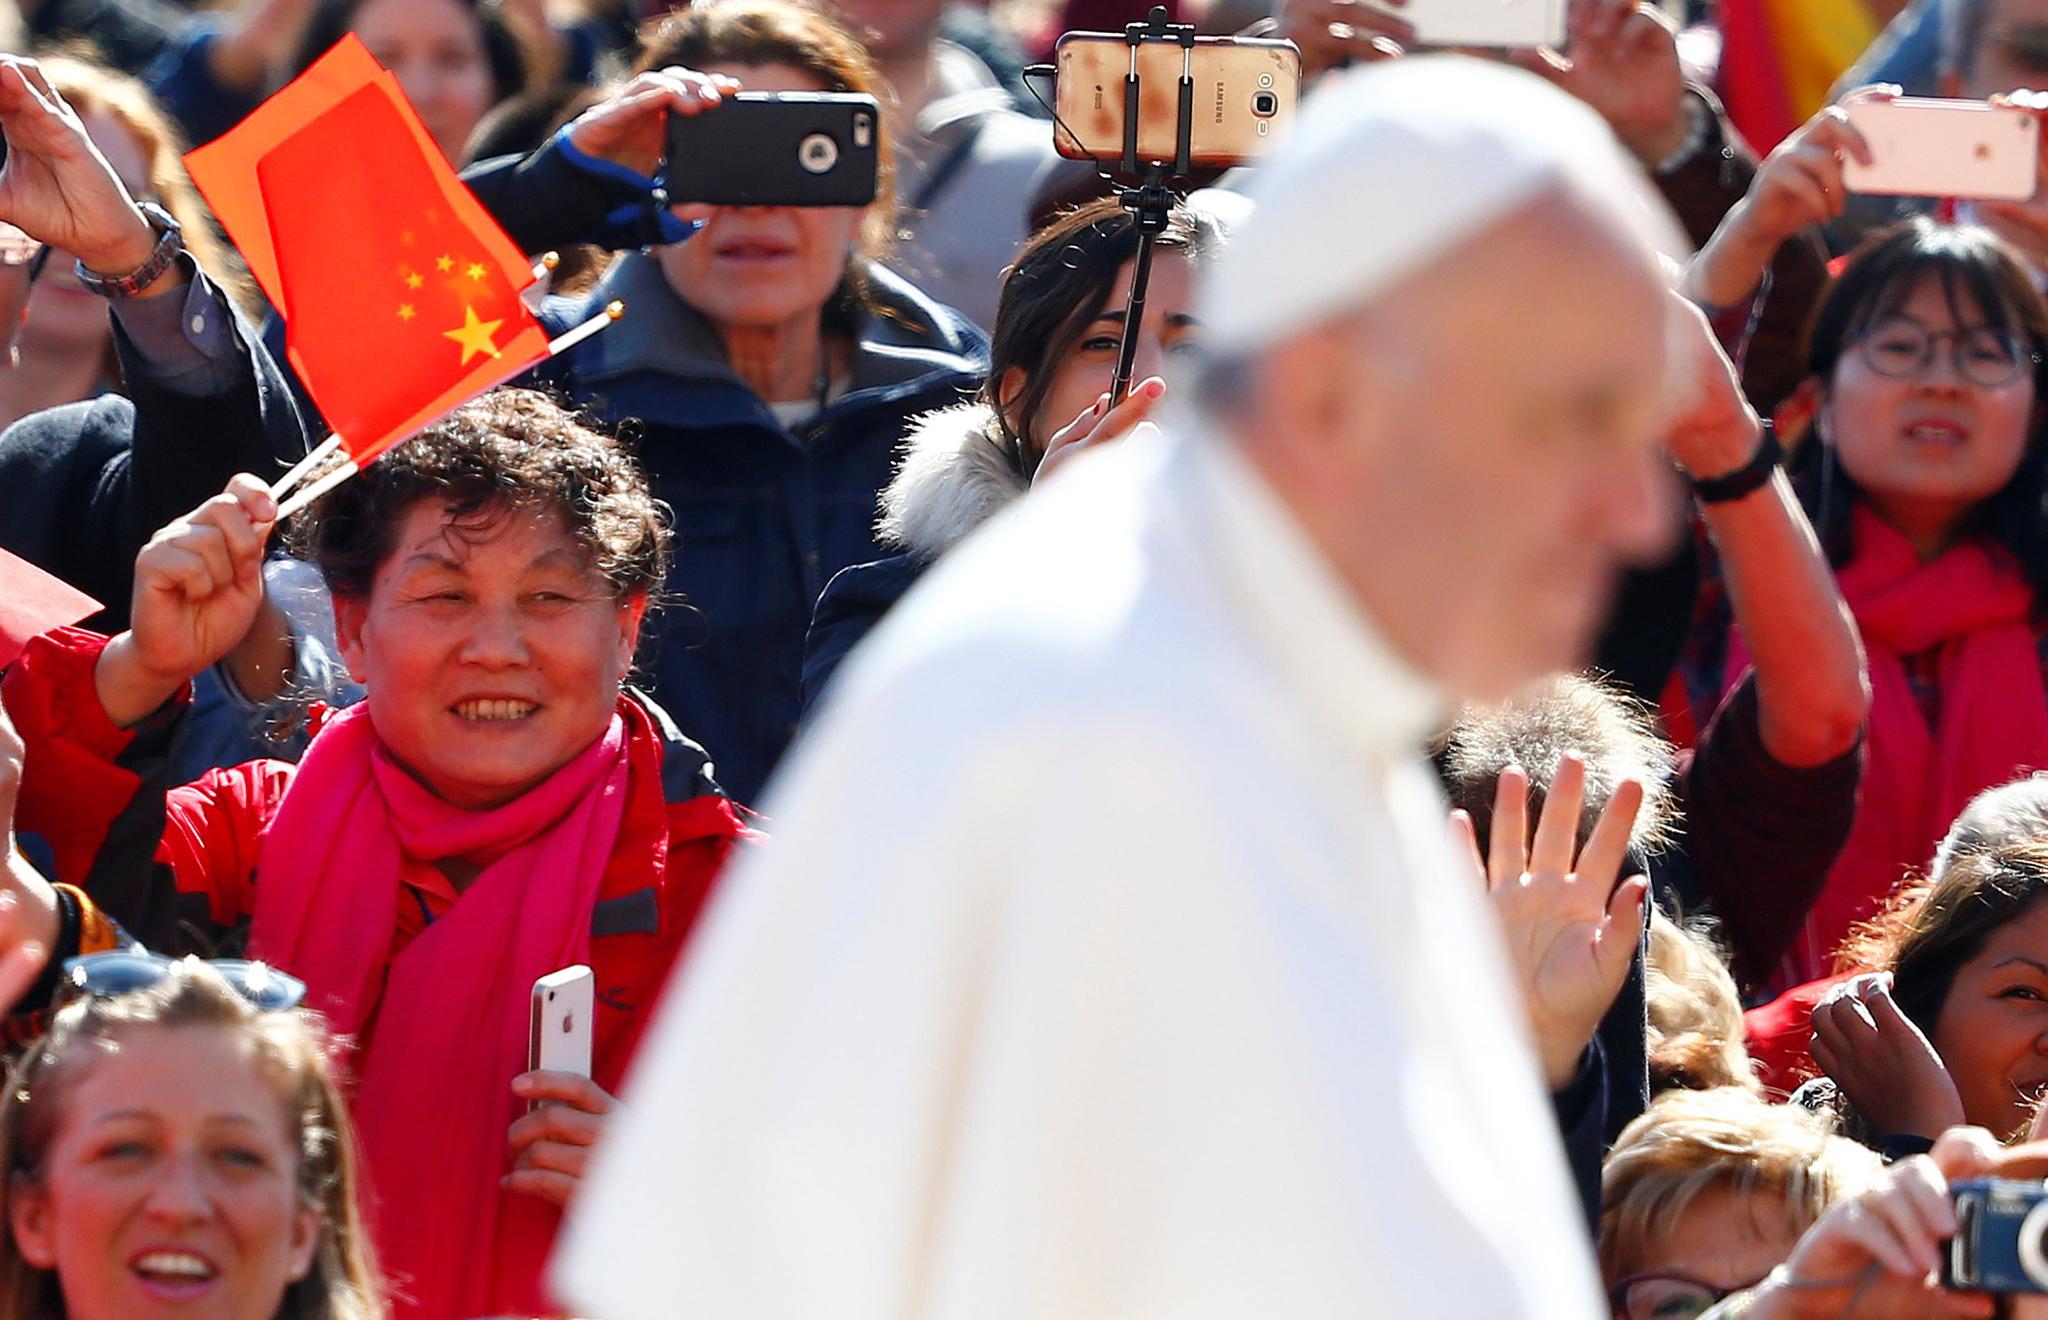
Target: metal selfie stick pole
x,y
1151,200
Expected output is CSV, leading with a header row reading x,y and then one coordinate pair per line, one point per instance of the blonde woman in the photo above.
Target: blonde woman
x,y
177,1145
1708,1191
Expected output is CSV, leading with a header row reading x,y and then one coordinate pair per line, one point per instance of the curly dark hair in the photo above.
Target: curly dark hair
x,y
511,449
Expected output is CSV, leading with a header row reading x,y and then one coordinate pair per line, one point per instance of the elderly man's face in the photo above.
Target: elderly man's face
x,y
1478,454
2012,49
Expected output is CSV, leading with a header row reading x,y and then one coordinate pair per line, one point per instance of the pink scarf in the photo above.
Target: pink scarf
x,y
442,1032
1969,608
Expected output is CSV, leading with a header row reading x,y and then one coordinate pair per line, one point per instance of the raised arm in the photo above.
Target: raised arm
x,y
1811,693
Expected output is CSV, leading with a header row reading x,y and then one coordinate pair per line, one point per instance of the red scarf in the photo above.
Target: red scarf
x,y
1969,608
441,1028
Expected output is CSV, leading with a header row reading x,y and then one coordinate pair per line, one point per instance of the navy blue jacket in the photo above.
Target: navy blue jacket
x,y
764,517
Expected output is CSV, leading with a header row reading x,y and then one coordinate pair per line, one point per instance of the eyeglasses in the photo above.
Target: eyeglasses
x,y
120,971
1903,349
1667,1295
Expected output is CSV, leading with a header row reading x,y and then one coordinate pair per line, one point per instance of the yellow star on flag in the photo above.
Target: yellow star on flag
x,y
444,264
476,270
405,312
475,335
413,279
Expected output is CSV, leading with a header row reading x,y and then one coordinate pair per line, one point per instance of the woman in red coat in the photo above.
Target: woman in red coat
x,y
500,807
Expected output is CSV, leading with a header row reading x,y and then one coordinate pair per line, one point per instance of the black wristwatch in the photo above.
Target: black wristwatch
x,y
1734,485
170,242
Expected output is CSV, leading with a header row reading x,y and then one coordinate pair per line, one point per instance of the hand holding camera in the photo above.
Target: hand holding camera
x,y
1879,1255
629,127
1621,58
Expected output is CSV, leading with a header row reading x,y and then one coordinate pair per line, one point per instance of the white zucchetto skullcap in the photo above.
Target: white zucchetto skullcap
x,y
1390,168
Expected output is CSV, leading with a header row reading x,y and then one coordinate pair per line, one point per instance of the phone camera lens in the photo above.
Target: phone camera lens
x,y
818,153
1265,104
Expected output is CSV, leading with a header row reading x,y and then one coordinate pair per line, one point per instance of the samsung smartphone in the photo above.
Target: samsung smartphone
x,y
560,1035
1490,23
776,149
1923,147
1245,93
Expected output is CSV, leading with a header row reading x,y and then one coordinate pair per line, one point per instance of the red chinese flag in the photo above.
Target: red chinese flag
x,y
400,294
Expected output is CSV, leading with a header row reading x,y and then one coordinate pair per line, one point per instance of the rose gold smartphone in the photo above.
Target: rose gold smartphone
x,y
1245,94
1928,147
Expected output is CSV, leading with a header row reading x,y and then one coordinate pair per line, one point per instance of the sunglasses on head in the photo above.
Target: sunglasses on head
x,y
121,971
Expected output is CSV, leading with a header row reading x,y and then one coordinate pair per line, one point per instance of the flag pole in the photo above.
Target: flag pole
x,y
328,481
321,451
612,312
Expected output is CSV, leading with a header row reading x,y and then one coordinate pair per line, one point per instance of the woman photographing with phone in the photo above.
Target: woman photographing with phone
x,y
769,365
177,1144
498,808
1924,476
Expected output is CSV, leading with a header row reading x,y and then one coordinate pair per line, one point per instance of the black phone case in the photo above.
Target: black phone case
x,y
776,149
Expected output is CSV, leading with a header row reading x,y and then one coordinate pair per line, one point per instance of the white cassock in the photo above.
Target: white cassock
x,y
1108,960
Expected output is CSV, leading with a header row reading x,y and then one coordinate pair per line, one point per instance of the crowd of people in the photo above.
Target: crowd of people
x,y
1510,764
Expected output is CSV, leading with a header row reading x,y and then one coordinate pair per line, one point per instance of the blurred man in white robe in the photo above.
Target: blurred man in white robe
x,y
1110,958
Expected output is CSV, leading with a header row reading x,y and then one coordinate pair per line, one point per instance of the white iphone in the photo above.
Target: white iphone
x,y
1927,147
1484,22
563,1004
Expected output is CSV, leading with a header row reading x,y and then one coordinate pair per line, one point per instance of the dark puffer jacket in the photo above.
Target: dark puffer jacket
x,y
764,516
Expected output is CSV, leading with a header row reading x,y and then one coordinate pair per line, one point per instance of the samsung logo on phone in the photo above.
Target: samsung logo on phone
x,y
1217,117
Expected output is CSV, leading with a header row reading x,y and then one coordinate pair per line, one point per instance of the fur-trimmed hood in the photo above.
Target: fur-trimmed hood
x,y
954,472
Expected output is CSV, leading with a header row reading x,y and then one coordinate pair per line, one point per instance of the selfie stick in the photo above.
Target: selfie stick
x,y
1151,200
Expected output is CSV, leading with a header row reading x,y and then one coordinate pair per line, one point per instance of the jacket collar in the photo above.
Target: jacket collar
x,y
953,473
920,345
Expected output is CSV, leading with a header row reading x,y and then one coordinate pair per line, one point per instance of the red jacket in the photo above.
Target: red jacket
x,y
88,789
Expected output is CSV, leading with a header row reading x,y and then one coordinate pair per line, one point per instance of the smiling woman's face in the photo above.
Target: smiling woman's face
x,y
493,654
1993,1028
761,267
170,1187
1927,447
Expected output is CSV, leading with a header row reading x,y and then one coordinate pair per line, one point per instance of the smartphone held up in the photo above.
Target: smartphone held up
x,y
777,149
1931,147
560,1031
1240,96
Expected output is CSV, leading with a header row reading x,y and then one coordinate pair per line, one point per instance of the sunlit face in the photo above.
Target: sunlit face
x,y
1478,468
170,1188
762,267
1993,1028
1925,449
1724,1240
435,48
1169,329
64,319
493,656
